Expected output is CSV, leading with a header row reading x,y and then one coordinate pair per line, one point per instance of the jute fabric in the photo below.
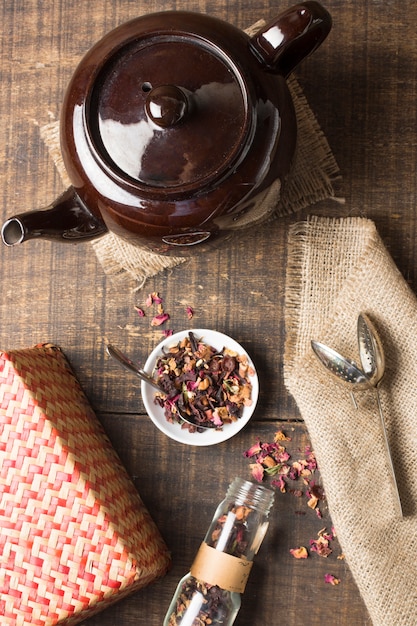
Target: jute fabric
x,y
338,268
311,180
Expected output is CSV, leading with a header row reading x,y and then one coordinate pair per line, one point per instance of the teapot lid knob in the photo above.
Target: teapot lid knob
x,y
167,105
170,127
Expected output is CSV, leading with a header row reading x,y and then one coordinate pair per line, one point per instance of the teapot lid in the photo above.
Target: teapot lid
x,y
170,112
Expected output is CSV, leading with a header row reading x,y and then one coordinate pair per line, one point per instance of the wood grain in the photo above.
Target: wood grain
x,y
182,487
362,85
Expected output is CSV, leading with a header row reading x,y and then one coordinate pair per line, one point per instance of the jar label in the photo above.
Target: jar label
x,y
221,569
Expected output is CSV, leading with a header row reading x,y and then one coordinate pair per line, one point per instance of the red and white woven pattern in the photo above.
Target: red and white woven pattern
x,y
74,533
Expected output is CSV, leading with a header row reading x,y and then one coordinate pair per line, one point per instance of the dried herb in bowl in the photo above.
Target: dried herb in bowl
x,y
210,386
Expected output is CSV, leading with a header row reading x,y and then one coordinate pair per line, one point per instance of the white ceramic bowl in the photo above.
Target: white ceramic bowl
x,y
209,436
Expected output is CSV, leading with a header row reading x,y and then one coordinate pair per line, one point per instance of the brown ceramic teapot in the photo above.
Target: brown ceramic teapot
x,y
177,128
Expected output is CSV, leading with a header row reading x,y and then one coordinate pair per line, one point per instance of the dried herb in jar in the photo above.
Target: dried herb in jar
x,y
213,604
210,592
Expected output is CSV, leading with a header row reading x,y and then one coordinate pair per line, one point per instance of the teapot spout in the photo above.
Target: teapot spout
x,y
67,219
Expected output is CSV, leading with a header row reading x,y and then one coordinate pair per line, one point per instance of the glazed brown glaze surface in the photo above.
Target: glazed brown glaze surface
x,y
170,135
175,126
149,182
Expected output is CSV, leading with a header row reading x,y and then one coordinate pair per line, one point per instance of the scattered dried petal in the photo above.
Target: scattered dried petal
x,y
299,553
257,471
153,298
159,319
280,436
253,450
269,461
317,491
275,460
161,316
321,545
280,484
331,580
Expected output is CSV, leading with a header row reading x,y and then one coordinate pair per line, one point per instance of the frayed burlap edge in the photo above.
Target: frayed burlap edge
x,y
339,267
120,259
354,236
315,168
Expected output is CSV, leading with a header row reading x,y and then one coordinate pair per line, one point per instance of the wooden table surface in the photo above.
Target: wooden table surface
x,y
362,85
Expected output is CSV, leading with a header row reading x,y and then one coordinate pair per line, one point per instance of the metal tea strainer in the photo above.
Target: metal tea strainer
x,y
369,376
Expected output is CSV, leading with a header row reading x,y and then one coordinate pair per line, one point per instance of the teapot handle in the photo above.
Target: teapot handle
x,y
284,42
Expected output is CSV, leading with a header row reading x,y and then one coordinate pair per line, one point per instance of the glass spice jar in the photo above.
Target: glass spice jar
x,y
211,592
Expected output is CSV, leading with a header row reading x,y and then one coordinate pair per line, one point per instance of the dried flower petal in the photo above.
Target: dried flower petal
x,y
216,419
190,312
140,311
153,298
277,464
321,545
274,462
269,461
299,553
159,319
257,471
167,332
280,436
317,491
253,450
312,502
311,462
280,484
331,580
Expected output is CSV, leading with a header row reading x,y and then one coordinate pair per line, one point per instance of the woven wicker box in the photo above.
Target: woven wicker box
x,y
74,533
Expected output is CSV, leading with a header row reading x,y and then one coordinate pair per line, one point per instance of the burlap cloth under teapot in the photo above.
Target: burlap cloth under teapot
x,y
310,181
338,268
